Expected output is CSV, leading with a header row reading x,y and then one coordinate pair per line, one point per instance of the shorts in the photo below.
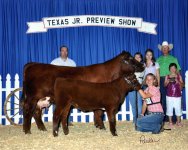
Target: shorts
x,y
173,103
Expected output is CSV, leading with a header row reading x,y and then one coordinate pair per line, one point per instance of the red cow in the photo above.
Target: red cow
x,y
89,96
39,79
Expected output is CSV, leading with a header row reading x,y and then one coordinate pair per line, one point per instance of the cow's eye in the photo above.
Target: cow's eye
x,y
126,62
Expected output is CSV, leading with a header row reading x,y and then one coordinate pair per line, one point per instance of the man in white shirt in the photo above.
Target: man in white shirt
x,y
63,60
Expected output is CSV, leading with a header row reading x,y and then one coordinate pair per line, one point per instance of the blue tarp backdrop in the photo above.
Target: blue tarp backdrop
x,y
88,45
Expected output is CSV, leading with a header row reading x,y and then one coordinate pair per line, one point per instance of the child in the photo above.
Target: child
x,y
174,84
134,96
151,66
152,122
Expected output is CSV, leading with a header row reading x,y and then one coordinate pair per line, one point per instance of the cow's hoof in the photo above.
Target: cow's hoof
x,y
55,133
102,128
70,124
27,132
97,126
66,132
42,129
114,134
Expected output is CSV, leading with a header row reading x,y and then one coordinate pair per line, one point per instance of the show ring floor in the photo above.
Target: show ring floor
x,y
85,136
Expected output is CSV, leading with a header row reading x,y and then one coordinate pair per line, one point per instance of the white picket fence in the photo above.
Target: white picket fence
x,y
75,116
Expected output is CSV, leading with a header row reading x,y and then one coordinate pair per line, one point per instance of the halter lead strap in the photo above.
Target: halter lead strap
x,y
129,82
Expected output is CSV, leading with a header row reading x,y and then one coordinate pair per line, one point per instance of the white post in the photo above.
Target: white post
x,y
16,82
50,113
1,101
105,114
83,116
16,100
8,90
123,110
130,111
186,93
91,119
74,114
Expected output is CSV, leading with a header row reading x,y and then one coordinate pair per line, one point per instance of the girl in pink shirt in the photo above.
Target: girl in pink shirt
x,y
152,122
174,84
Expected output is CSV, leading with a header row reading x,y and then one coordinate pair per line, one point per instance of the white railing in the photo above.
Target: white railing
x,y
76,116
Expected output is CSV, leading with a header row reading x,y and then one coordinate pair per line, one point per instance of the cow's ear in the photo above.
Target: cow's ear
x,y
126,55
124,51
123,55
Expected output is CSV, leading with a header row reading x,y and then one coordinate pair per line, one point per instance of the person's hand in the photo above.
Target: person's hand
x,y
140,116
176,80
138,87
167,81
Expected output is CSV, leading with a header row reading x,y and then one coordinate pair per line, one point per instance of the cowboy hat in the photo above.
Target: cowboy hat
x,y
165,43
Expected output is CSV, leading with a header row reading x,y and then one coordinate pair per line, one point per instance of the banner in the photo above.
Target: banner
x,y
91,20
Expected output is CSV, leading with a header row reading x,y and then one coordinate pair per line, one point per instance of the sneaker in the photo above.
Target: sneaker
x,y
179,124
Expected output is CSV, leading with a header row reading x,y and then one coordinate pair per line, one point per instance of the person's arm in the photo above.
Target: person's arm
x,y
158,76
144,107
73,63
158,73
166,81
180,82
54,62
178,66
144,95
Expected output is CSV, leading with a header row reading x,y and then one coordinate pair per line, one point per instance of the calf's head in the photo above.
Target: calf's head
x,y
132,82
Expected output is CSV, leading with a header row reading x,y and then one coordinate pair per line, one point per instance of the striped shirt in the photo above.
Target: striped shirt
x,y
155,98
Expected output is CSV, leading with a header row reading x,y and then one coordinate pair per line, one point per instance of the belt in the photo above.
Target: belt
x,y
156,113
162,77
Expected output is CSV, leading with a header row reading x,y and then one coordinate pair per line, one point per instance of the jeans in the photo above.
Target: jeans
x,y
132,100
163,93
150,123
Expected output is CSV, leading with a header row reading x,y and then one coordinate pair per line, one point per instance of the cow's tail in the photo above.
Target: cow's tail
x,y
23,96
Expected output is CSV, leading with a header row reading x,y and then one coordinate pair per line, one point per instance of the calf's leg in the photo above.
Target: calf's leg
x,y
112,121
38,118
56,120
98,122
64,118
28,109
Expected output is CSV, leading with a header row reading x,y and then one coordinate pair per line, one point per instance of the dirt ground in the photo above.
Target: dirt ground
x,y
85,136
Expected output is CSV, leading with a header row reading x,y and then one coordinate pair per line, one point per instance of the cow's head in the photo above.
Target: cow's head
x,y
129,64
